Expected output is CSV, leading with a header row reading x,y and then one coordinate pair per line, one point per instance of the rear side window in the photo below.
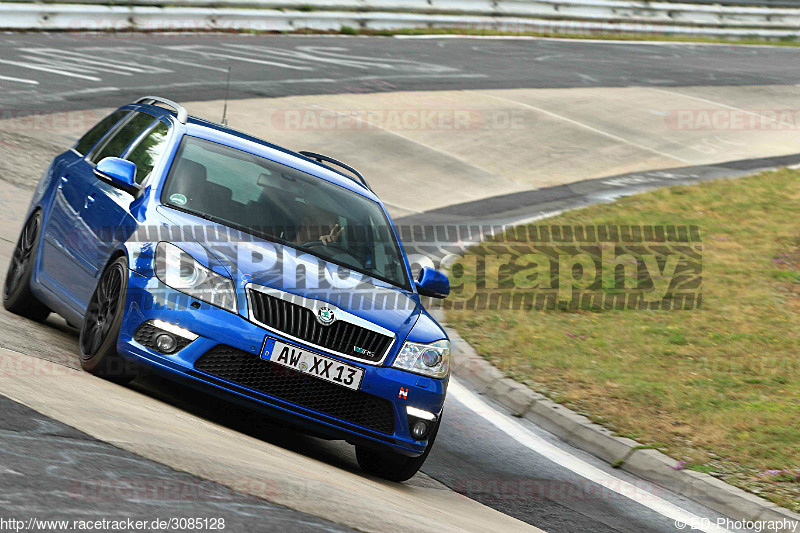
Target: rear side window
x,y
123,137
96,133
147,152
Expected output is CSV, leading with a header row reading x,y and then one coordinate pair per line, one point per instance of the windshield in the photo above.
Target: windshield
x,y
283,204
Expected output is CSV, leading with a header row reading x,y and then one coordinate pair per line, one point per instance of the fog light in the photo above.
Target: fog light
x,y
419,429
166,343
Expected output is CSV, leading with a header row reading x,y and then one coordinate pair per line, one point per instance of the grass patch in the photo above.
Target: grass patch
x,y
705,469
716,387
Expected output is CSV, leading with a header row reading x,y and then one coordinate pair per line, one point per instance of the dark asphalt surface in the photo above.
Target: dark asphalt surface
x,y
51,471
512,208
58,72
470,456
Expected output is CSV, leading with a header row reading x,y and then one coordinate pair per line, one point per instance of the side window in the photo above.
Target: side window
x,y
96,133
123,137
147,152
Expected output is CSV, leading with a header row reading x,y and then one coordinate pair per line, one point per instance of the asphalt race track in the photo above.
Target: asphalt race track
x,y
55,72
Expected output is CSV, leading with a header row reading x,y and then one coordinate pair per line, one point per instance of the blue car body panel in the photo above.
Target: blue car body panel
x,y
88,222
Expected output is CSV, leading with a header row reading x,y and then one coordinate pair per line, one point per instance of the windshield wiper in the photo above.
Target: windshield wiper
x,y
228,224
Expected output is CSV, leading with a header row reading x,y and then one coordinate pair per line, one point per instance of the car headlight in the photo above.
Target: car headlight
x,y
179,270
427,359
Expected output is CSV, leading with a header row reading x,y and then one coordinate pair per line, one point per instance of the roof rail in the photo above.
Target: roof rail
x,y
183,115
328,159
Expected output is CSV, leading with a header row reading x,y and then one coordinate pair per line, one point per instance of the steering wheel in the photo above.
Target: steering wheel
x,y
335,245
318,242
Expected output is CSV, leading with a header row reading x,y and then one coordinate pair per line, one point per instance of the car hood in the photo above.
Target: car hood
x,y
250,261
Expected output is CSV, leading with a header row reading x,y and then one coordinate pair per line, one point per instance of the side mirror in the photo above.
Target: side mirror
x,y
432,283
119,173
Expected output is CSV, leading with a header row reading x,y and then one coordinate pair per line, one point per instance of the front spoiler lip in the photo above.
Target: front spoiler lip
x,y
331,425
276,401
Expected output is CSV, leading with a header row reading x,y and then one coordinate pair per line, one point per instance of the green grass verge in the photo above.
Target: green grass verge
x,y
717,388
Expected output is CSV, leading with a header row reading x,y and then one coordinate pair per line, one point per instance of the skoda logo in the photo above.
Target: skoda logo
x,y
325,316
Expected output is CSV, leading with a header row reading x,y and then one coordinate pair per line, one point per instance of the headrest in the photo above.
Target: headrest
x,y
217,192
189,174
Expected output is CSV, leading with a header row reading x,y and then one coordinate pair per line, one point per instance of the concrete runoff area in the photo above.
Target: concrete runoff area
x,y
425,150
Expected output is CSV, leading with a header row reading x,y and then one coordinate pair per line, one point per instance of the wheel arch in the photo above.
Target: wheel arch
x,y
37,265
119,252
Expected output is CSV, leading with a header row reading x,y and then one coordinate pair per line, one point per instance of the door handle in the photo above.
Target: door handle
x,y
89,201
64,180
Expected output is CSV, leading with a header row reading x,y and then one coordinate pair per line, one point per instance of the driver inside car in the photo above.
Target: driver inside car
x,y
308,232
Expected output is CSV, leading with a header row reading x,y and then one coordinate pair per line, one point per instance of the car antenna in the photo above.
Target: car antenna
x,y
227,90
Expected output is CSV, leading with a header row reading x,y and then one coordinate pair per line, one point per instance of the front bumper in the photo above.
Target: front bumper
x,y
149,299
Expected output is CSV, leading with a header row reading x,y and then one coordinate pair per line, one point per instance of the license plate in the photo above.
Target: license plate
x,y
312,363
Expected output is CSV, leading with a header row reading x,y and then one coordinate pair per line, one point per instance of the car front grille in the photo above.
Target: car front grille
x,y
249,370
300,322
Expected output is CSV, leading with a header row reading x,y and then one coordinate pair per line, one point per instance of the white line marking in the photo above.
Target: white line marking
x,y
191,49
75,57
535,218
168,59
70,63
281,55
50,70
562,458
239,83
588,127
19,80
341,57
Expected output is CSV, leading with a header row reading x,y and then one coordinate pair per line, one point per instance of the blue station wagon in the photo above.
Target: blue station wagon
x,y
265,276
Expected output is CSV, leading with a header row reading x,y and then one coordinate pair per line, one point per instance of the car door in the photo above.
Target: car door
x,y
105,206
63,269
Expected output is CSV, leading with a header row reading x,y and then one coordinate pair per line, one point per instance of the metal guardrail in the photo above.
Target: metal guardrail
x,y
562,16
391,5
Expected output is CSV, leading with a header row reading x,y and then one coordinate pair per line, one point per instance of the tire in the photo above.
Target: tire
x,y
17,295
393,466
101,325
